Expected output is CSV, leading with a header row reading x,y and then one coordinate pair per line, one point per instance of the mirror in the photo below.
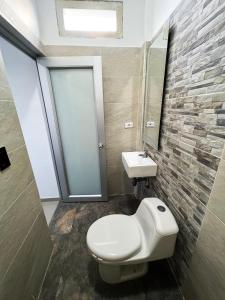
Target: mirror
x,y
155,58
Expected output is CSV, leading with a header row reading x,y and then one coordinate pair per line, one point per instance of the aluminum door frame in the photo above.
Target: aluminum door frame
x,y
95,63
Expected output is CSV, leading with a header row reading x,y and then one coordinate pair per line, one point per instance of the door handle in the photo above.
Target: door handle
x,y
100,146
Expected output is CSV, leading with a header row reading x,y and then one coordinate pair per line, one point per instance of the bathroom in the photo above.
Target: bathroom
x,y
119,194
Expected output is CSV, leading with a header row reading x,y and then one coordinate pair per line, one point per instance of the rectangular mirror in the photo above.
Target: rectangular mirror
x,y
155,57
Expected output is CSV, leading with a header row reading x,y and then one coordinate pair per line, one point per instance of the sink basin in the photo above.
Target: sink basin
x,y
138,166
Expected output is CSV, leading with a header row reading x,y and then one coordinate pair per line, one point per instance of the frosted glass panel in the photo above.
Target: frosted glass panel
x,y
75,106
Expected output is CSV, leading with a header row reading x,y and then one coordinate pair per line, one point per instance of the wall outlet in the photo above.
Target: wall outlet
x,y
150,124
128,125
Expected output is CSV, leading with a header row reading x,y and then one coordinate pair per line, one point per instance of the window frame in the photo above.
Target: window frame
x,y
98,5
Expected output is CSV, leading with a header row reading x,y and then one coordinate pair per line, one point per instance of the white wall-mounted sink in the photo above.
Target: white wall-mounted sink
x,y
137,165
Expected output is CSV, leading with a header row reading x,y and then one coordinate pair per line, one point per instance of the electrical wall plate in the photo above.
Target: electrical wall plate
x,y
128,125
4,159
150,124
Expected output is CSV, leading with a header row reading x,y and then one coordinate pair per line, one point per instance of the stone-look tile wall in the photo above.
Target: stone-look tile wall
x,y
193,128
121,87
25,244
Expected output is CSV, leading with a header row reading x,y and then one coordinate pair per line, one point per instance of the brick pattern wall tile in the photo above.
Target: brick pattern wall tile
x,y
193,120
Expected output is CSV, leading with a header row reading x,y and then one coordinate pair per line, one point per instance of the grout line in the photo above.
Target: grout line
x,y
126,76
216,176
46,271
127,100
7,100
20,247
121,76
18,148
190,153
209,210
14,201
194,96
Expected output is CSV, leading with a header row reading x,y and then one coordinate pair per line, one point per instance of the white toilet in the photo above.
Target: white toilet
x,y
124,244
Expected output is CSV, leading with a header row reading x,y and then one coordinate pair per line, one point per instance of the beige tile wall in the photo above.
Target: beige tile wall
x,y
217,198
25,244
223,155
122,69
206,278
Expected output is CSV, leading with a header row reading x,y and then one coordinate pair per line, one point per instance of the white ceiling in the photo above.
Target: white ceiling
x,y
134,12
142,19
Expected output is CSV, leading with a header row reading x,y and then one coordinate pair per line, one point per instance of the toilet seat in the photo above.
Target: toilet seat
x,y
114,237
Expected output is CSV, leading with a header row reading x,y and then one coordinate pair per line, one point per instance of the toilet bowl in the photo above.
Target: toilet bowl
x,y
124,244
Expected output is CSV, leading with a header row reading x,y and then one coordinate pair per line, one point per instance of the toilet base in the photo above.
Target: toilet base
x,y
119,273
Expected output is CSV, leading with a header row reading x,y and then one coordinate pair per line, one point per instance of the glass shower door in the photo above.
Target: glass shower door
x,y
75,107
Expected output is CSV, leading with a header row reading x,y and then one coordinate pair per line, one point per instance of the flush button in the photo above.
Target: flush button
x,y
161,208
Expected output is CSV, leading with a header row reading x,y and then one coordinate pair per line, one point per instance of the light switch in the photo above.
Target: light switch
x,y
128,125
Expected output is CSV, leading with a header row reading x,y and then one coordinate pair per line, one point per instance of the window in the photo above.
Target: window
x,y
90,18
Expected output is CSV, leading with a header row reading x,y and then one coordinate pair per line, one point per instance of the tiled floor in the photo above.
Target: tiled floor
x,y
73,274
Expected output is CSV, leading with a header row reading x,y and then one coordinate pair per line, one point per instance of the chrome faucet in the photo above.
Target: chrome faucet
x,y
145,154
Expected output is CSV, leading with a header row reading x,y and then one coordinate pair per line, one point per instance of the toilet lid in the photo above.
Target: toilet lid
x,y
114,237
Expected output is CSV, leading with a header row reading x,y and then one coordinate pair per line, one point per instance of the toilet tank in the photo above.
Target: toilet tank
x,y
158,226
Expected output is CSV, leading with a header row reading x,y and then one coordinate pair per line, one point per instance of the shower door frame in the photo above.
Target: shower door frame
x,y
91,62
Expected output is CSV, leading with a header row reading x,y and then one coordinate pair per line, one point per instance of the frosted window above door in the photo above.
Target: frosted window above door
x,y
90,19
